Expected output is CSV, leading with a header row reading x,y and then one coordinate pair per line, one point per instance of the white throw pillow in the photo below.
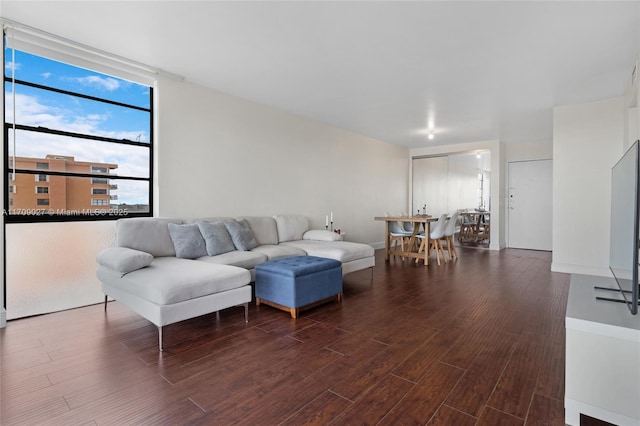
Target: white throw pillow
x,y
321,235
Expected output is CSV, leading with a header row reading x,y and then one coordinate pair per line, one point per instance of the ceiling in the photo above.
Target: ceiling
x,y
472,70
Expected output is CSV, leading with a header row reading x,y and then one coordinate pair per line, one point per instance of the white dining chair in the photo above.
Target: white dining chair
x,y
448,234
435,235
398,234
408,226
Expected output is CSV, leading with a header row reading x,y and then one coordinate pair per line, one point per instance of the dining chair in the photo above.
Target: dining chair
x,y
485,228
436,234
398,233
408,226
448,234
468,227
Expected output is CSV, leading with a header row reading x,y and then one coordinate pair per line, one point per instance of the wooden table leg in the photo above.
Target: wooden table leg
x,y
387,240
427,248
412,239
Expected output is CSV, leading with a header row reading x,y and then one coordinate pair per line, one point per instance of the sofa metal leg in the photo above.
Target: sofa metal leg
x,y
105,302
246,312
160,338
371,269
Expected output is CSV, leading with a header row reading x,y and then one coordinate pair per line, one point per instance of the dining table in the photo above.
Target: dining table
x,y
479,225
412,248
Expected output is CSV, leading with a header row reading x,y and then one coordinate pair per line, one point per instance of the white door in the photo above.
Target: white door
x,y
529,200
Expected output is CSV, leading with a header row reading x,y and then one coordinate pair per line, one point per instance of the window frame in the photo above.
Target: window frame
x,y
15,215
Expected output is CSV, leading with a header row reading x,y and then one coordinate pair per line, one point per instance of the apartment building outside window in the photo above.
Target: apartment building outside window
x,y
91,132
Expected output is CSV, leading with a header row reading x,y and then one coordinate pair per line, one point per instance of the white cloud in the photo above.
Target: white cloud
x,y
46,75
13,66
106,83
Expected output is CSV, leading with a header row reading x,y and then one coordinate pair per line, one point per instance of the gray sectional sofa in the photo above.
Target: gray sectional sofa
x,y
169,270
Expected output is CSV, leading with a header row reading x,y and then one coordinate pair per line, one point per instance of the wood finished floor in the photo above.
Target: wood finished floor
x,y
479,341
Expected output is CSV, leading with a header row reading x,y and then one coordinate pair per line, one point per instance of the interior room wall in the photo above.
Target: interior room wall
x,y
219,155
528,151
497,180
587,142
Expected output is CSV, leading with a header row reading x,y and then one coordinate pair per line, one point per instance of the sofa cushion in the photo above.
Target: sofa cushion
x,y
321,235
242,259
148,234
291,227
187,240
171,280
216,237
264,229
241,234
278,251
343,251
123,259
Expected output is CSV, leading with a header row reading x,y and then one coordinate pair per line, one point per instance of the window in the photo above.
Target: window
x,y
42,201
83,126
97,169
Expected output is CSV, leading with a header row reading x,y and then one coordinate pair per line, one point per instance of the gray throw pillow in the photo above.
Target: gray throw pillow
x,y
124,260
187,240
241,234
216,237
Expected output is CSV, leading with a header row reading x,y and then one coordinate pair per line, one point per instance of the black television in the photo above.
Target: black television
x,y
624,237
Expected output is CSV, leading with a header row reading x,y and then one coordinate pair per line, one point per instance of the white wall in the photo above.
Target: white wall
x,y
220,155
587,141
528,151
497,180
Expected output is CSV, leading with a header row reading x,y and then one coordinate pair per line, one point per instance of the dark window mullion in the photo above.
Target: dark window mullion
x,y
78,175
78,95
49,131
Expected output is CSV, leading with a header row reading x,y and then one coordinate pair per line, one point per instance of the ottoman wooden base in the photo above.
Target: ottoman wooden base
x,y
295,312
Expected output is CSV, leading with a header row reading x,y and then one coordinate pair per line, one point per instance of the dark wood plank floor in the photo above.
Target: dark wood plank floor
x,y
479,341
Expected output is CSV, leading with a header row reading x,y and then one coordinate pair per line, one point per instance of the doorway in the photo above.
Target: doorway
x,y
529,204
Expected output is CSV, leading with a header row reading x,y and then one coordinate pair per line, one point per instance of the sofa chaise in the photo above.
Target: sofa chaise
x,y
169,269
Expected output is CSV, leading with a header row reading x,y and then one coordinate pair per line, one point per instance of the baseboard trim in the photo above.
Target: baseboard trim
x,y
377,246
569,268
573,408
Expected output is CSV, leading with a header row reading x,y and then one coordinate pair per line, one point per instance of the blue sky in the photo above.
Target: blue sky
x,y
37,107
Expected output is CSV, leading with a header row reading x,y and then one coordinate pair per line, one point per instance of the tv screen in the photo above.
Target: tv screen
x,y
623,248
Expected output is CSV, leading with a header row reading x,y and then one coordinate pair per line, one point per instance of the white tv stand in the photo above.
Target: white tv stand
x,y
602,356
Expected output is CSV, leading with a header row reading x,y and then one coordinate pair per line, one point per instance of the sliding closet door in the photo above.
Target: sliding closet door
x,y
430,185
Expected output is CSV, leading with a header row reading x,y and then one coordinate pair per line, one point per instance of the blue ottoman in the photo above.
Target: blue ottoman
x,y
298,282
